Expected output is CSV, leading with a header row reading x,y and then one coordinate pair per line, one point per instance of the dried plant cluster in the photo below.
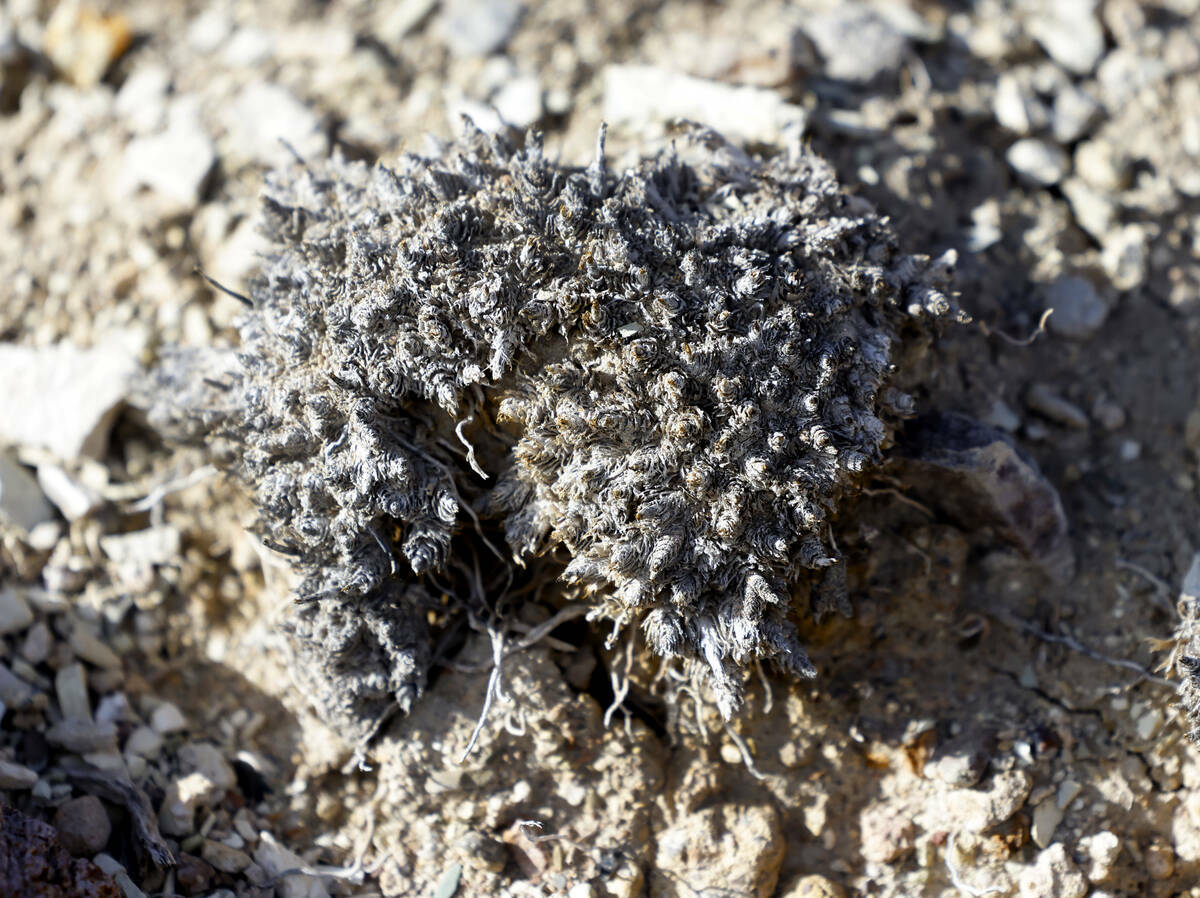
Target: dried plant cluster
x,y
668,376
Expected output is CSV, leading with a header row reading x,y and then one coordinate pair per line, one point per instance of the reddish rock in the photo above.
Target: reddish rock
x,y
34,864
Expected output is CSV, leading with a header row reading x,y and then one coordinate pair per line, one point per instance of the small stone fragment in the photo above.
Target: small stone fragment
x,y
814,886
22,503
88,647
176,815
35,648
155,545
166,718
478,27
176,162
82,43
15,613
1160,861
1108,414
83,736
1016,107
72,498
1039,161
70,685
976,810
1125,257
1092,208
276,859
193,874
975,475
83,825
482,852
64,398
1075,112
733,847
1070,33
14,691
144,742
856,42
886,833
266,119
961,761
1053,875
644,97
200,757
1100,851
224,858
16,776
1079,310
1102,165
1046,817
1046,401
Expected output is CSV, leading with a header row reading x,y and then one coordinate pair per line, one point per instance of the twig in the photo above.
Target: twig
x,y
163,490
1077,646
1161,589
462,438
744,749
493,688
1027,341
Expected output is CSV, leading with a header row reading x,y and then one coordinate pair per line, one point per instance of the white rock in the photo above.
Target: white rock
x,y
88,647
248,47
22,503
976,810
275,859
16,776
15,613
1016,107
184,794
478,27
265,119
1053,875
1070,33
519,102
1038,160
167,718
70,686
1093,210
174,163
1102,164
210,30
155,545
398,19
142,99
1100,851
1046,817
856,42
144,742
646,97
72,498
1124,256
200,757
1075,112
64,398
1079,311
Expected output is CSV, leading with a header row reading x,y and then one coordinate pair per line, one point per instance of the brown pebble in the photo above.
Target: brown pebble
x,y
193,874
83,826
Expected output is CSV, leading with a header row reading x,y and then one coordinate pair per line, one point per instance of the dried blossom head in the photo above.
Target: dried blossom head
x,y
671,373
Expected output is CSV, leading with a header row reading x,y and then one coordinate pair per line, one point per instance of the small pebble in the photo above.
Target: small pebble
x,y
144,741
35,648
1108,414
193,874
70,685
1099,851
16,776
1079,310
15,614
224,858
83,825
1044,400
167,719
814,886
1039,161
1130,450
92,650
1160,861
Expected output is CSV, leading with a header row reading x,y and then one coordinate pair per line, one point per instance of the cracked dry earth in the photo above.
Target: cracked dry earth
x,y
976,726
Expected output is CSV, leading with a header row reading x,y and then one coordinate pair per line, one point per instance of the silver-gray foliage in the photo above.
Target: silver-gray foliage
x,y
672,374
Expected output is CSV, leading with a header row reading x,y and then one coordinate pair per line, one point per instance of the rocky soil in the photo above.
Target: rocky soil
x,y
980,725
